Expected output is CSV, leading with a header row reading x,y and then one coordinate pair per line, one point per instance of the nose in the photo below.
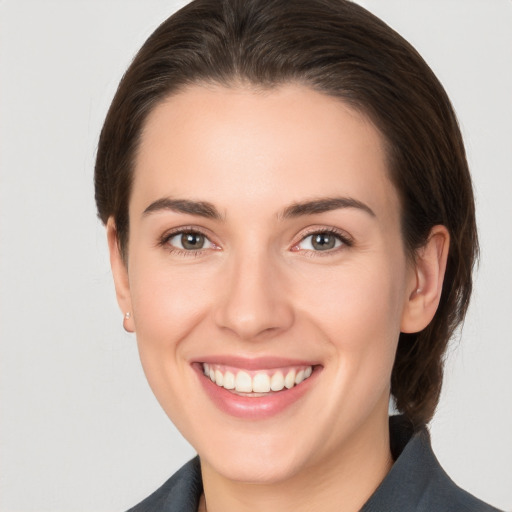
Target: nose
x,y
255,303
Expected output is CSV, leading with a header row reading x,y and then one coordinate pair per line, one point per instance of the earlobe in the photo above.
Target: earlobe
x,y
424,292
120,275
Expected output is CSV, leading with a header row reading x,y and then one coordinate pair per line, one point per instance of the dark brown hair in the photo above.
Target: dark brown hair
x,y
340,49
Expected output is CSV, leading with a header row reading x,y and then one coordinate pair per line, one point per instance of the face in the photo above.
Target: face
x,y
265,252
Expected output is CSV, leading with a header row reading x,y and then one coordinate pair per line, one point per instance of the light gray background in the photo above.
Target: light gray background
x,y
80,429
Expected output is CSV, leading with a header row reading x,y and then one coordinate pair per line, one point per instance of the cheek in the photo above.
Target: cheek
x,y
362,294
358,308
168,302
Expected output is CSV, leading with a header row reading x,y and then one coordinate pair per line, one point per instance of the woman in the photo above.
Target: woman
x,y
291,227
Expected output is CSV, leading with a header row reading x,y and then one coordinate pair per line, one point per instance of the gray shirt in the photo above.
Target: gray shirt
x,y
416,482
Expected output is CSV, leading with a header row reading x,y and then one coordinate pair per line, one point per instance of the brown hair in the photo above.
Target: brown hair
x,y
338,48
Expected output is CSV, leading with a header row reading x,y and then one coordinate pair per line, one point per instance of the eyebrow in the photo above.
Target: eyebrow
x,y
208,210
324,205
200,208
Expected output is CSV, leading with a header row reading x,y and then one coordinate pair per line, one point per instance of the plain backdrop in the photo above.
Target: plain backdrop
x,y
79,427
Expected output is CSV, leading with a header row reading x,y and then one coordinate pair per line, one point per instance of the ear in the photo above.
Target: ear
x,y
426,284
120,274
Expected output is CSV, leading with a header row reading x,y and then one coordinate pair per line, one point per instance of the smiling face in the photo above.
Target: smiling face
x,y
265,250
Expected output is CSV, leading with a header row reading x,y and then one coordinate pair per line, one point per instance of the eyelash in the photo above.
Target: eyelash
x,y
166,237
345,240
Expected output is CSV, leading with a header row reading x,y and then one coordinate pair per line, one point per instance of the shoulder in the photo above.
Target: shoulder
x,y
417,482
443,494
180,493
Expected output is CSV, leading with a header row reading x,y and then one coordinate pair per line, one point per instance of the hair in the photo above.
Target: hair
x,y
337,48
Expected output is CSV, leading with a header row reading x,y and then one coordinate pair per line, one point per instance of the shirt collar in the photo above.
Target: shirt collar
x,y
415,468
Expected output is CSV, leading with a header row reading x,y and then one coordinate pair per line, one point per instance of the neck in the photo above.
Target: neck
x,y
341,483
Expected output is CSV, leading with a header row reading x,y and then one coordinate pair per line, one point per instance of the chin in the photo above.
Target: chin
x,y
259,458
256,468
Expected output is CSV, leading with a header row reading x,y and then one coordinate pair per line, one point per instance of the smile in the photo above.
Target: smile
x,y
256,389
256,382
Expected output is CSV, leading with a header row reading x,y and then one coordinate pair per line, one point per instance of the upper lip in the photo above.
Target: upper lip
x,y
255,363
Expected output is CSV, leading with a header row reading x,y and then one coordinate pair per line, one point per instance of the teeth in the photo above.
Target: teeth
x,y
243,382
256,382
219,378
229,380
277,382
299,377
289,380
261,383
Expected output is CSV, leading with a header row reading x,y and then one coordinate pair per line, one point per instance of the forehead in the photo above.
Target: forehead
x,y
239,144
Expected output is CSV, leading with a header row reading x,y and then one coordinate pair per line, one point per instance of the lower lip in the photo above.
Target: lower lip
x,y
260,407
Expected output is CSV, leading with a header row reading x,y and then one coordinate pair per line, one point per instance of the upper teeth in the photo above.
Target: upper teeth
x,y
261,381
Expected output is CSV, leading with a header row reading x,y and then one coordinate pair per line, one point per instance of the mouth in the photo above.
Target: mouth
x,y
254,390
256,383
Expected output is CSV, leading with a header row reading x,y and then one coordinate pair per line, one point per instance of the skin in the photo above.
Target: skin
x,y
259,288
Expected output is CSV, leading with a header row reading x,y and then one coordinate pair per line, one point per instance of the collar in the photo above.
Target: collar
x,y
417,482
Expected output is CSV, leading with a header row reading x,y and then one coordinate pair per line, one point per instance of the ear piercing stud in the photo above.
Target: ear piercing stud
x,y
127,316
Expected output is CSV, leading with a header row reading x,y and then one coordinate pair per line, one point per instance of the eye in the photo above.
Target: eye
x,y
188,241
322,241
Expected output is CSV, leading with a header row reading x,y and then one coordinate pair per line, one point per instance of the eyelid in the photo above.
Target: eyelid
x,y
343,236
171,233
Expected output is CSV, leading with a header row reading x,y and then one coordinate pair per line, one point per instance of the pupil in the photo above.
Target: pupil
x,y
323,241
192,240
